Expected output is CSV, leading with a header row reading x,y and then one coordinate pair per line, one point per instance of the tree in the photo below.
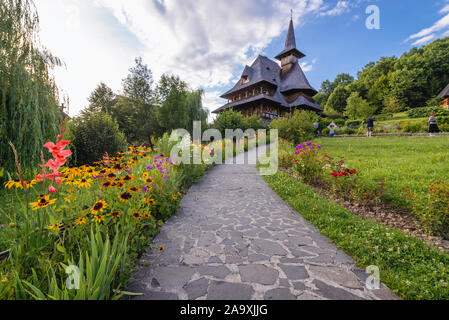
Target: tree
x,y
327,87
29,104
408,87
337,100
179,106
298,127
101,99
93,135
139,83
358,108
378,91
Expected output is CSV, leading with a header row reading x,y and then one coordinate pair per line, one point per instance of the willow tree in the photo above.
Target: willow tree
x,y
29,112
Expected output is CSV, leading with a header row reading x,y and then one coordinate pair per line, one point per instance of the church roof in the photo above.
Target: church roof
x,y
264,70
295,79
445,92
290,45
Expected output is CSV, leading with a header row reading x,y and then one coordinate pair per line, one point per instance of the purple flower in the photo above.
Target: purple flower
x,y
150,168
144,189
318,147
308,143
165,177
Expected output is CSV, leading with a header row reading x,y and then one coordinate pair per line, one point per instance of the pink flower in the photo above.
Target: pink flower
x,y
52,189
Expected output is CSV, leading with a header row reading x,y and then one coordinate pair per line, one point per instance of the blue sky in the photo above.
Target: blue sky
x,y
208,42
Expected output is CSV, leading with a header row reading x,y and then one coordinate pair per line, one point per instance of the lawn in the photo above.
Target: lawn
x,y
406,265
401,162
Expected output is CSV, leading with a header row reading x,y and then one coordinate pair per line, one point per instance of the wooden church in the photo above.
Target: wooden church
x,y
271,91
445,95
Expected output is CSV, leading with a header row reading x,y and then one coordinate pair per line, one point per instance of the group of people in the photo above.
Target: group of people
x,y
433,126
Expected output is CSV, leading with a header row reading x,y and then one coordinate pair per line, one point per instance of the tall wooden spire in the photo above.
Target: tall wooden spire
x,y
290,45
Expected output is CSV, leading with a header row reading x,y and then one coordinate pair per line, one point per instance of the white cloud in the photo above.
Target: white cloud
x,y
204,42
424,40
445,9
430,33
306,66
340,8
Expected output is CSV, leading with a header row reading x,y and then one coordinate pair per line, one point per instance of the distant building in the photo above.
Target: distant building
x,y
271,91
445,95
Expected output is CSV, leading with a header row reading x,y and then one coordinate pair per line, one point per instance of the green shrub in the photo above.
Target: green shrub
x,y
433,209
340,122
296,128
94,135
348,131
233,120
384,117
354,124
425,112
308,163
414,128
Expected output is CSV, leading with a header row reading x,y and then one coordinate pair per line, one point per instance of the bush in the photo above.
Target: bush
x,y
348,131
414,128
340,122
296,128
93,136
354,124
425,112
308,163
384,117
433,210
233,120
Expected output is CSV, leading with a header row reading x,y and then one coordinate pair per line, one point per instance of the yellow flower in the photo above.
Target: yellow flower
x,y
161,249
133,189
42,203
150,201
80,221
5,279
14,183
174,197
125,197
107,184
128,178
99,219
12,224
85,183
71,182
55,227
30,184
99,207
137,215
116,215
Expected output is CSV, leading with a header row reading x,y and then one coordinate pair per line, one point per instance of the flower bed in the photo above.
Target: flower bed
x,y
406,265
89,223
313,166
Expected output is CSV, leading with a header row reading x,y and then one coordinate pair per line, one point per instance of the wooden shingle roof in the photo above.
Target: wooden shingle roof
x,y
445,92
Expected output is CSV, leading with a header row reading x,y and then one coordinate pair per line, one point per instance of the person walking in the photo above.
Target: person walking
x,y
370,126
316,125
332,128
433,126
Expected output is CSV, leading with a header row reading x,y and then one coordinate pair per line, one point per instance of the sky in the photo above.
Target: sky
x,y
208,42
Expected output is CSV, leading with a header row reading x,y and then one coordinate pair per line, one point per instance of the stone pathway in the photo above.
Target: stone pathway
x,y
235,239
